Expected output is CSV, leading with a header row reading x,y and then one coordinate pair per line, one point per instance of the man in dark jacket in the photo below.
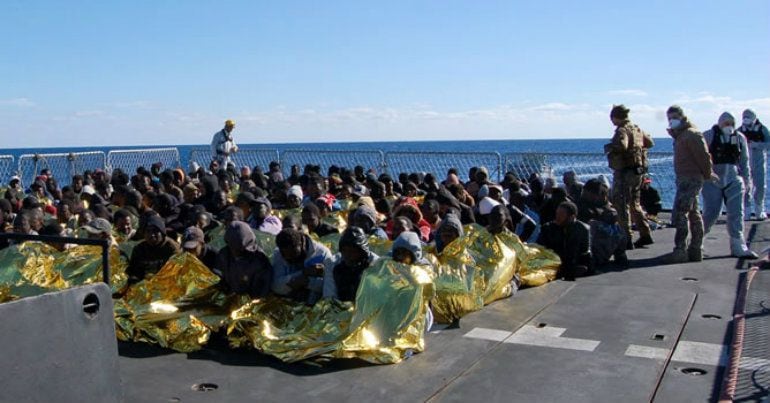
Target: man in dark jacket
x,y
650,198
608,239
151,254
348,266
243,266
570,239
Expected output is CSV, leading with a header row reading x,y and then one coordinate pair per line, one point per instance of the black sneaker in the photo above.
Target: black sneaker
x,y
643,241
629,245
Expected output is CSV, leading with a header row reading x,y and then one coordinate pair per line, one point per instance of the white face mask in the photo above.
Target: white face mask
x,y
674,123
748,121
727,130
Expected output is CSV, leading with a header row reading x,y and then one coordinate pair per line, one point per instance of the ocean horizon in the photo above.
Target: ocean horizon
x,y
594,145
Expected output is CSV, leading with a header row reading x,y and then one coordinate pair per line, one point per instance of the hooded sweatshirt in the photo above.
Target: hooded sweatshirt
x,y
250,272
451,221
342,281
411,242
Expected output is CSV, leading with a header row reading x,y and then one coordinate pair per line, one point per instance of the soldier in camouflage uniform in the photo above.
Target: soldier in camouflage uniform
x,y
627,156
692,166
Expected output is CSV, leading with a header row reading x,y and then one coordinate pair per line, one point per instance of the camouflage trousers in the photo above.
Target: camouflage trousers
x,y
626,186
685,214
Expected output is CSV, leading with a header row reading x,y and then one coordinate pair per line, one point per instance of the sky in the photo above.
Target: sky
x,y
94,73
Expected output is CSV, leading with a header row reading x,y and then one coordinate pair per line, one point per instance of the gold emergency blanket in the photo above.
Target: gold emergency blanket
x,y
265,241
537,264
478,269
459,287
496,261
386,323
177,308
34,268
380,247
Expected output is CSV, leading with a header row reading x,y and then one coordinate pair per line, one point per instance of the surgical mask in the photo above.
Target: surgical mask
x,y
674,123
748,121
727,130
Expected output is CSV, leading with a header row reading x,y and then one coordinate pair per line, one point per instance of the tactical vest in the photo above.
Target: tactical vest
x,y
635,156
721,152
754,135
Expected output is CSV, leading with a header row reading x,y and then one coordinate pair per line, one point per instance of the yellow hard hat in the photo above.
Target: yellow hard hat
x,y
229,123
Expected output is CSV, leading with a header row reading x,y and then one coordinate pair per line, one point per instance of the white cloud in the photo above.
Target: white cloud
x,y
20,102
122,124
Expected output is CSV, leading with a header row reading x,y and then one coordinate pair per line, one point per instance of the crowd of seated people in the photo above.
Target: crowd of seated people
x,y
166,211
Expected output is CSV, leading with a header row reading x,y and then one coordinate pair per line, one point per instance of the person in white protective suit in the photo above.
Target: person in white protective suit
x,y
223,145
759,141
730,157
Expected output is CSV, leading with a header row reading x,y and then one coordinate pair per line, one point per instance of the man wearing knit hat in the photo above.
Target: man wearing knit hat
x,y
730,159
692,166
759,141
149,256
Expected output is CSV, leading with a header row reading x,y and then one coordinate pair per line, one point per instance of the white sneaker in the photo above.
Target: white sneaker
x,y
740,250
762,216
745,254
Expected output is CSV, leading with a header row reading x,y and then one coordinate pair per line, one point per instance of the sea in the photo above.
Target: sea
x,y
500,146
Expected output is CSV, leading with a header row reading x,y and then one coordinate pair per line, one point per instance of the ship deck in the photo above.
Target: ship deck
x,y
648,333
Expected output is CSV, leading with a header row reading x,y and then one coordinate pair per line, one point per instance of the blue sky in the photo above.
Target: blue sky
x,y
170,72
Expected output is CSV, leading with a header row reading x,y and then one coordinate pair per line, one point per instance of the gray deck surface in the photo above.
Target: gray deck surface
x,y
617,336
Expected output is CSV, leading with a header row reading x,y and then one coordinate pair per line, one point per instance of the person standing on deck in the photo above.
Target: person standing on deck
x,y
730,159
627,156
759,141
222,145
692,166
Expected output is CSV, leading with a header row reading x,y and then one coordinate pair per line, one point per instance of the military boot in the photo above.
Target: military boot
x,y
675,257
695,254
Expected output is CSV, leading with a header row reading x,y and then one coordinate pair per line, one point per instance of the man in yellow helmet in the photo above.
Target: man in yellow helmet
x,y
222,145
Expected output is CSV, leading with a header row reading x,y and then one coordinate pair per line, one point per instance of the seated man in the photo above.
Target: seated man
x,y
100,228
570,239
241,264
407,249
54,229
292,221
298,266
65,215
294,197
194,242
152,253
7,217
499,220
123,226
261,217
365,218
650,198
607,238
311,217
402,224
408,207
347,267
449,230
